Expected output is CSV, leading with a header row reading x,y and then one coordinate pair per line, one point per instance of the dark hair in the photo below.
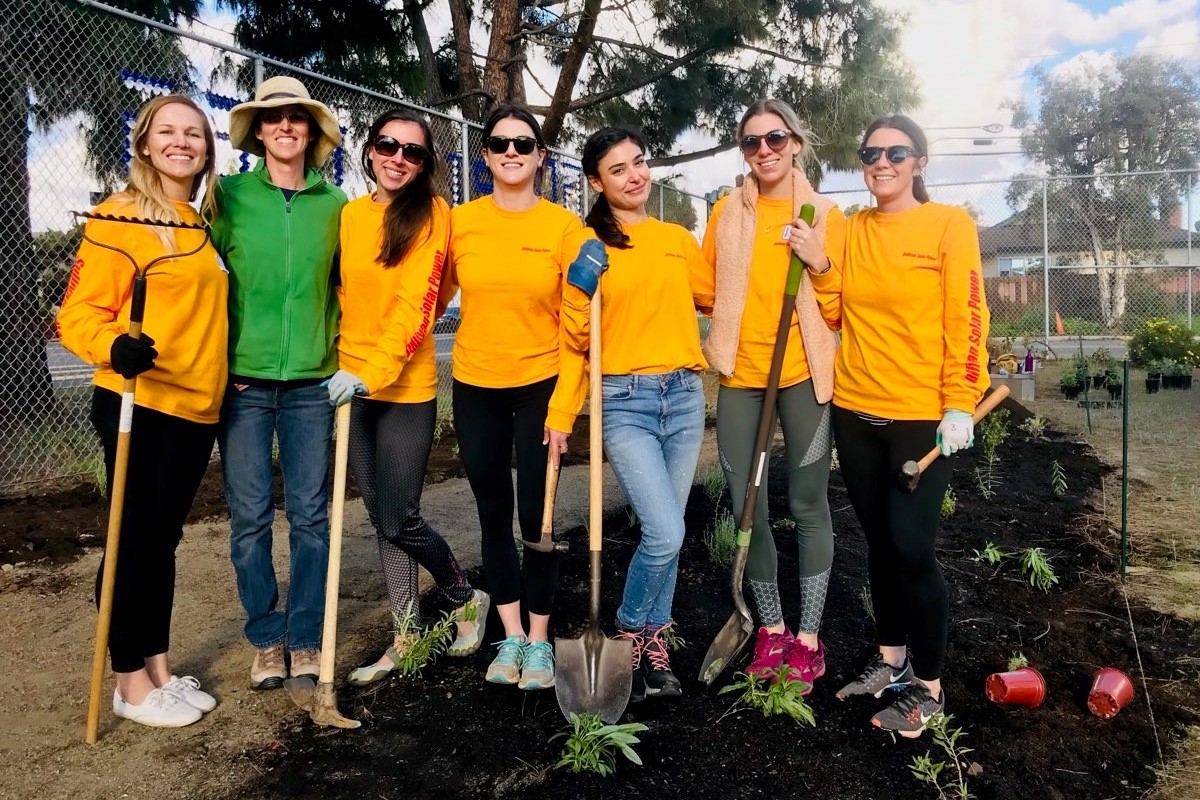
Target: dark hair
x,y
514,111
913,131
411,209
600,218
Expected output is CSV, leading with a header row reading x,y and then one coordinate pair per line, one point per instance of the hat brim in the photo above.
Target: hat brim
x,y
241,127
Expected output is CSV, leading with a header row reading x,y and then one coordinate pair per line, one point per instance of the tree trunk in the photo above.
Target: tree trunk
x,y
416,19
498,72
472,103
569,72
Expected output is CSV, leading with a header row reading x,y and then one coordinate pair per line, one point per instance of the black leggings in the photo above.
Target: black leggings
x,y
389,450
488,423
908,591
167,459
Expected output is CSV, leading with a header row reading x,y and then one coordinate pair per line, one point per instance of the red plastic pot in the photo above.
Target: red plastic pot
x,y
1022,687
1111,691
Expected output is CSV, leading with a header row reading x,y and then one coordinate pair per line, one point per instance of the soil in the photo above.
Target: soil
x,y
449,734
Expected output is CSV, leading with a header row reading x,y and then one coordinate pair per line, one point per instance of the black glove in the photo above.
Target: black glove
x,y
131,357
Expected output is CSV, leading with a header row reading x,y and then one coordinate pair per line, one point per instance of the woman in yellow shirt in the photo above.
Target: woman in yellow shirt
x,y
656,277
506,259
907,292
747,241
178,398
393,251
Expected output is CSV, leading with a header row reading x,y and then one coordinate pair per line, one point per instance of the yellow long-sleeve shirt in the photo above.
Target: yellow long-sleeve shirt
x,y
186,313
913,315
388,312
649,297
764,294
509,267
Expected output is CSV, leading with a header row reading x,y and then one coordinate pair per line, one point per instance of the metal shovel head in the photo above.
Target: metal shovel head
x,y
724,650
325,712
594,675
301,689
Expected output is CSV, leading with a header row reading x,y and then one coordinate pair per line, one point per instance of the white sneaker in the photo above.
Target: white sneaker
x,y
160,709
188,688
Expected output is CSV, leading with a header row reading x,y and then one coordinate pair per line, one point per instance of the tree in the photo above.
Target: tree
x,y
1141,114
57,60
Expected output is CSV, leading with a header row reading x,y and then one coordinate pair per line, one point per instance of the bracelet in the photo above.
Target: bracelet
x,y
812,271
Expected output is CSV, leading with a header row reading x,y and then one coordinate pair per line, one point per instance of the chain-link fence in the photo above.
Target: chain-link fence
x,y
79,71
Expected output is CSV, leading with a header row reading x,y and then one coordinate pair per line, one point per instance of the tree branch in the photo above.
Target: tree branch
x,y
671,161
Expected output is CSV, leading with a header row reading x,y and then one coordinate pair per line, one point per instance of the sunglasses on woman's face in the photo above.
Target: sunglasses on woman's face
x,y
387,147
895,154
523,144
275,117
776,140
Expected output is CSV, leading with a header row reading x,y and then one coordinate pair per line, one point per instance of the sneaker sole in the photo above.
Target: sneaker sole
x,y
152,723
533,686
664,693
500,680
266,684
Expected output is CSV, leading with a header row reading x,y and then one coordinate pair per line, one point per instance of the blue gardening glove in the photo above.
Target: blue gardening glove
x,y
955,432
584,272
131,357
343,386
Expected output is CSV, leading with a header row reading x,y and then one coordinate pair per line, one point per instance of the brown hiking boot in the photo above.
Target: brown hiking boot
x,y
306,662
269,669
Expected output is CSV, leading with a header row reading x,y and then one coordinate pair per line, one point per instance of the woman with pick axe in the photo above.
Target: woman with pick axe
x,y
167,440
909,373
652,393
750,240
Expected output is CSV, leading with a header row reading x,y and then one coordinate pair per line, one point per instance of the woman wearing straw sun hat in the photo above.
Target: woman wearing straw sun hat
x,y
277,230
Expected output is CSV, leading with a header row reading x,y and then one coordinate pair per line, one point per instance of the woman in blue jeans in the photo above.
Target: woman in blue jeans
x,y
653,397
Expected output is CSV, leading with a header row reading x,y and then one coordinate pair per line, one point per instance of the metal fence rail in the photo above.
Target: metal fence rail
x,y
87,69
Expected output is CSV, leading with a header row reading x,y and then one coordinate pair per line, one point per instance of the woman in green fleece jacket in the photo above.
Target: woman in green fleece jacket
x,y
277,230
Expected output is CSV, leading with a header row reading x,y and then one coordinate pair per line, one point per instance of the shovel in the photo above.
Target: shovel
x,y
318,698
738,629
595,673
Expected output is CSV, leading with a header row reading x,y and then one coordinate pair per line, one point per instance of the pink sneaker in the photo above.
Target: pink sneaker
x,y
769,650
805,664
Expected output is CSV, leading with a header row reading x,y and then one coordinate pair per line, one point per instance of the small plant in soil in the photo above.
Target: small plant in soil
x,y
949,503
423,646
1058,479
948,783
1017,661
713,482
1034,427
993,430
784,696
1035,566
675,642
592,746
721,541
991,554
631,517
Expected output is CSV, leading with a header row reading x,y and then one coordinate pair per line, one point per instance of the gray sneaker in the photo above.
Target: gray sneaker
x,y
908,715
506,666
877,678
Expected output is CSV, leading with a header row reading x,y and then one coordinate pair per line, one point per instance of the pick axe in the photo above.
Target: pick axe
x,y
546,544
910,473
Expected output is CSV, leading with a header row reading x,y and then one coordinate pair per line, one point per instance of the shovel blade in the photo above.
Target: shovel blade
x,y
724,650
324,711
594,675
302,689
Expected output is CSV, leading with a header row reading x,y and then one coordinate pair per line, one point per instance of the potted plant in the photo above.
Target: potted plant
x,y
1101,362
1153,382
1112,379
1185,379
1172,372
1069,384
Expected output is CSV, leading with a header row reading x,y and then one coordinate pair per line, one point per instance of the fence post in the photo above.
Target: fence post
x,y
1046,260
258,73
662,191
586,195
1191,225
465,171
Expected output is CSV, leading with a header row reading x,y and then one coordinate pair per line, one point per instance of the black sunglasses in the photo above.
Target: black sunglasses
x,y
387,147
275,117
776,140
499,144
895,154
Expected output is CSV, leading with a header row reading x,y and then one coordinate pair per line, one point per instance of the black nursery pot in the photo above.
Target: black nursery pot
x,y
1114,391
1185,381
1097,381
1070,392
1170,381
1152,385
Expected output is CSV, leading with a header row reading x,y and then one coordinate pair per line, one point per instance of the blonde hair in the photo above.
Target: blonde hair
x,y
791,120
145,186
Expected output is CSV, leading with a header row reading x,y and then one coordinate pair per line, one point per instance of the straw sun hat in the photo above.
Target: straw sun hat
x,y
274,93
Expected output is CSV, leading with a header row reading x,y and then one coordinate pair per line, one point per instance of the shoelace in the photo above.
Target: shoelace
x,y
638,642
776,642
912,699
656,650
272,656
539,656
161,698
873,668
512,650
185,683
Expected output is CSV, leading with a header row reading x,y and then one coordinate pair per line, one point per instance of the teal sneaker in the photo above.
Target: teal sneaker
x,y
506,666
538,670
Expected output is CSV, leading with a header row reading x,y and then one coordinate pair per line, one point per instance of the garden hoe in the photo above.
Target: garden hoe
x,y
595,673
910,473
116,492
546,544
738,629
319,699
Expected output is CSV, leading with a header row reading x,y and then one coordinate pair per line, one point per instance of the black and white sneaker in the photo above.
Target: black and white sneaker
x,y
656,666
877,677
908,715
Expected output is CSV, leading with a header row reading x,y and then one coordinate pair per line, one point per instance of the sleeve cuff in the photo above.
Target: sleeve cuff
x,y
561,421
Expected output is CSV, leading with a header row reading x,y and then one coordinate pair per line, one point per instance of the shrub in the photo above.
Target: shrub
x,y
1163,339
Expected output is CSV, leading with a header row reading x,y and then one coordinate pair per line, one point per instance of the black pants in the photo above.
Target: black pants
x,y
908,591
488,424
167,460
389,450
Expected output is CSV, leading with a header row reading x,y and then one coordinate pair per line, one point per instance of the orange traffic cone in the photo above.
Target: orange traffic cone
x,y
1058,326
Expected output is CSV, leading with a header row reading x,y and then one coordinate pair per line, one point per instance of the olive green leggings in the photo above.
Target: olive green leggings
x,y
806,433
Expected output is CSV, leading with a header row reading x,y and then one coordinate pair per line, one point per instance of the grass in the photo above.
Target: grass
x,y
721,540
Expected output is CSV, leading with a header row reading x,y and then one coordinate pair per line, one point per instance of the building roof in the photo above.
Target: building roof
x,y
1022,233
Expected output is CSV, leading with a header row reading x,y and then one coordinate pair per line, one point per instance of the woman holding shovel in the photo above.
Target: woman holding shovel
x,y
908,298
751,237
652,392
506,258
178,392
393,246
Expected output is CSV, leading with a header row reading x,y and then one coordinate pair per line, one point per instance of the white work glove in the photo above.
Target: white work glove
x,y
343,386
955,432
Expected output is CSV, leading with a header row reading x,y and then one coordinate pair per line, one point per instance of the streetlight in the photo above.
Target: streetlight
x,y
991,127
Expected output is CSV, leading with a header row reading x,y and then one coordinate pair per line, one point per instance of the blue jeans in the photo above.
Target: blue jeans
x,y
653,427
303,420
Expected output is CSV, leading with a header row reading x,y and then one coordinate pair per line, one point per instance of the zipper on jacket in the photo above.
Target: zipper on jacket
x,y
287,283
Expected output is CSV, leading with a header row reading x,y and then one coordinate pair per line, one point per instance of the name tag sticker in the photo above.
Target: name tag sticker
x,y
787,232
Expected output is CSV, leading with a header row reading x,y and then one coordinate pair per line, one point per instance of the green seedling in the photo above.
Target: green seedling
x,y
423,646
1058,479
948,783
592,746
993,430
867,603
784,696
675,642
1035,566
631,517
721,541
713,482
991,553
949,503
1017,661
1034,427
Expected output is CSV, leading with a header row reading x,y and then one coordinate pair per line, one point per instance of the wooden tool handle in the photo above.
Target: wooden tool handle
x,y
982,410
337,516
551,491
595,431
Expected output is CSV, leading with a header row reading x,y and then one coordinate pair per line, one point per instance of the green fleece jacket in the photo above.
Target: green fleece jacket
x,y
281,254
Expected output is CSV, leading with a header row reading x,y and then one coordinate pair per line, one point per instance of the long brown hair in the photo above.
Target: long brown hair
x,y
410,210
913,131
600,218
